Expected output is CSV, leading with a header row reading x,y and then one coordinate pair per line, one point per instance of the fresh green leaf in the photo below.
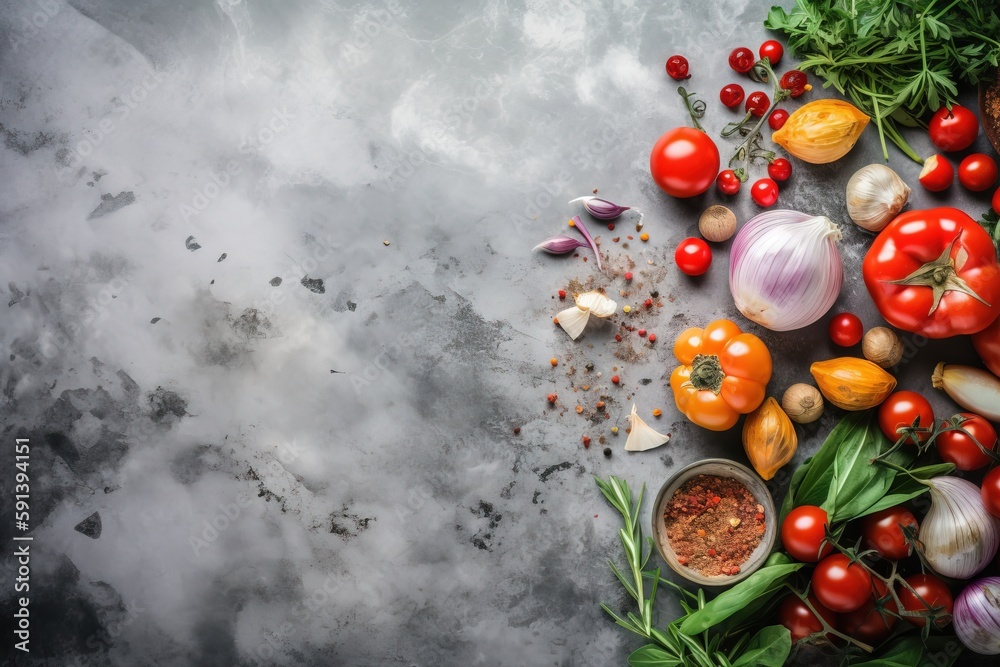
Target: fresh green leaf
x,y
764,582
911,651
652,655
768,648
905,488
793,489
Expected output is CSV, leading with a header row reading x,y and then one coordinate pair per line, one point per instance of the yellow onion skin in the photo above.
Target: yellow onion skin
x,y
851,383
769,438
822,131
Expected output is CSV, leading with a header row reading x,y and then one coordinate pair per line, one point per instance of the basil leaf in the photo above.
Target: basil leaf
x,y
815,486
904,488
793,489
765,581
768,648
857,484
652,655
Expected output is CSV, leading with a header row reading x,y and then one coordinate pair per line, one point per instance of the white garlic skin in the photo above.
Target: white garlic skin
x,y
875,195
960,537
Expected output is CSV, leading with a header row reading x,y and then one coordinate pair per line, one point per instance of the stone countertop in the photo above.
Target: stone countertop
x,y
274,317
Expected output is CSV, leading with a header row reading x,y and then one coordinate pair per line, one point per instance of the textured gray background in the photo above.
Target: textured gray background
x,y
387,514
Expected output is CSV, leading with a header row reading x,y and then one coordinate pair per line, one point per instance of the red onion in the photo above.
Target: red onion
x,y
976,616
601,209
784,269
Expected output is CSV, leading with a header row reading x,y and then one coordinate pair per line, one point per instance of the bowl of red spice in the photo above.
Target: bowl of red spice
x,y
714,522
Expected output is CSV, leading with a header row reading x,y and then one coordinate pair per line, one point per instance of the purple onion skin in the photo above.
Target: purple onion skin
x,y
578,223
560,245
976,616
602,209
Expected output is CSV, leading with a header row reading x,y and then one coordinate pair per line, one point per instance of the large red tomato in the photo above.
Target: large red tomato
x,y
987,344
684,162
934,272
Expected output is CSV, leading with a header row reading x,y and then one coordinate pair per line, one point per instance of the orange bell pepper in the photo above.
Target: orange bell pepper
x,y
723,374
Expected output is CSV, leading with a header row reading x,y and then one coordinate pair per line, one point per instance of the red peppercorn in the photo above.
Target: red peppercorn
x,y
611,226
552,398
677,68
586,442
710,552
618,337
562,294
652,338
628,276
615,379
517,430
648,303
642,333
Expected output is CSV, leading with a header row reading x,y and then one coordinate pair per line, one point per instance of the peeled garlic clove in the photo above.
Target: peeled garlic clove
x,y
641,436
875,195
598,304
573,320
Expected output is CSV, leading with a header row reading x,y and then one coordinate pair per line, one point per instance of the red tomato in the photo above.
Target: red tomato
x,y
931,590
800,621
772,50
977,172
846,329
727,182
991,492
867,624
995,202
841,585
731,94
901,409
802,532
780,168
987,344
684,162
693,256
911,273
677,68
795,82
958,448
764,192
742,60
953,130
758,103
777,119
883,532
937,174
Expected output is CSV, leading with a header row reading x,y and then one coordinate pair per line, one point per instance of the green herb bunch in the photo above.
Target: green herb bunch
x,y
896,60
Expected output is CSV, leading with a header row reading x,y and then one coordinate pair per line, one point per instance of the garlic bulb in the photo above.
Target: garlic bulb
x,y
875,195
574,319
959,535
641,436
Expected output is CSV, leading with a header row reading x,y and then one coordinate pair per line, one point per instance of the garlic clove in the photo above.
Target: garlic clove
x,y
573,320
641,436
598,304
560,245
875,195
602,209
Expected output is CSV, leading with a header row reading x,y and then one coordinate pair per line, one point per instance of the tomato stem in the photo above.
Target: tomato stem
x,y
941,276
707,373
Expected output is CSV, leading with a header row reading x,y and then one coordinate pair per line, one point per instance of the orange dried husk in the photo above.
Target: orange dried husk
x,y
851,383
769,438
822,131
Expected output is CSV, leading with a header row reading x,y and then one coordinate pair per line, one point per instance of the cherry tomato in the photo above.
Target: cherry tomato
x,y
764,192
953,130
777,119
731,94
795,82
987,344
977,172
991,492
772,50
742,60
684,162
937,174
677,68
800,621
958,448
758,103
901,409
883,531
846,329
867,624
780,169
931,590
727,182
693,256
995,202
802,532
841,585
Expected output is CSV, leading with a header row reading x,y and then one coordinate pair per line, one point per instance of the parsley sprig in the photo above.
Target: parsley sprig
x,y
896,60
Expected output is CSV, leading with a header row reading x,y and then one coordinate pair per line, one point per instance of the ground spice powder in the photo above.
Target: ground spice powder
x,y
713,524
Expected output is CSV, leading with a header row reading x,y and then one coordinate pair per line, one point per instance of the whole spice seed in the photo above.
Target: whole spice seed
x,y
712,526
